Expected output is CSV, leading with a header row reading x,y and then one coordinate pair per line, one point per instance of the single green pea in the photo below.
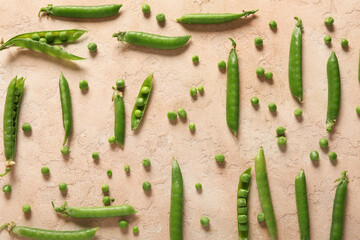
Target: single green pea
x,y
193,91
83,85
112,140
241,202
323,142
220,158
258,42
204,221
145,8
65,150
192,127
201,89
243,193
26,208
358,109
146,186
245,178
254,101
327,39
146,162
261,217
273,24
42,40
145,90
140,102
92,47
123,224
280,131
182,113
109,173
106,200
198,186
314,155
329,21
127,168
120,83
195,59
105,188
344,42
171,115
49,37
95,155
272,107
138,113
63,36
298,112
112,199
160,17
269,75
45,170
281,141
35,37
221,64
62,186
242,218
26,127
332,156
7,188
135,230
260,71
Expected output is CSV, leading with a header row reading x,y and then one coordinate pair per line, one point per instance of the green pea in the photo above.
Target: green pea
x,y
83,85
242,218
112,199
260,71
95,155
109,173
323,142
26,127
192,127
273,24
193,91
201,89
7,188
314,155
26,208
329,21
105,188
123,224
92,47
42,40
298,112
62,186
221,64
45,170
254,101
146,186
344,42
243,227
220,158
280,130
127,168
358,109
120,83
272,107
138,113
245,178
63,36
145,90
106,200
332,156
243,193
140,102
327,39
204,221
49,37
195,59
258,42
171,115
160,17
145,8
281,141
269,75
65,150
112,140
35,37
198,186
182,113
135,230
146,162
261,217
241,202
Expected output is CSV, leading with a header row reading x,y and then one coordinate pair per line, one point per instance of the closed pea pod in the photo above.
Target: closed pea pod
x,y
213,18
99,11
243,226
65,106
302,205
119,109
176,204
295,61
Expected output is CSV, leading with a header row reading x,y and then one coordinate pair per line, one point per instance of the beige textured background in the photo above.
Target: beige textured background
x,y
159,140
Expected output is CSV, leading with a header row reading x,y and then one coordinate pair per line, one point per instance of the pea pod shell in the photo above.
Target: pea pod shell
x,y
243,185
119,128
302,205
65,98
99,11
176,203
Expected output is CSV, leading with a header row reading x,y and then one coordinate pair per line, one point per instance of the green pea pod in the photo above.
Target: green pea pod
x,y
232,91
302,205
65,98
337,224
135,120
11,114
95,212
44,234
40,47
264,193
334,91
213,18
244,184
176,204
295,61
59,36
100,11
151,40
119,108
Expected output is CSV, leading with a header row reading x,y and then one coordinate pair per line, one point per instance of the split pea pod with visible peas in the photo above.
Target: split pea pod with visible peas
x,y
176,203
100,11
334,91
65,98
243,204
295,61
152,40
213,18
44,234
10,122
119,111
139,109
302,205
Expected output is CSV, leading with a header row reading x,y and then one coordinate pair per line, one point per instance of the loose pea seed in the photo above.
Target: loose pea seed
x,y
298,112
127,168
272,24
329,21
193,91
195,59
146,186
260,71
145,8
146,162
280,130
7,188
332,156
258,42
314,155
105,188
45,170
160,17
323,142
145,90
106,200
272,107
42,40
261,217
62,186
83,85
204,221
35,37
198,186
327,39
269,75
221,64
26,127
201,89
120,83
220,158
344,42
123,224
358,109
95,155
109,173
63,36
26,208
112,140
138,113
92,47
171,115
254,101
281,141
65,150
140,102
49,37
192,126
182,113
135,230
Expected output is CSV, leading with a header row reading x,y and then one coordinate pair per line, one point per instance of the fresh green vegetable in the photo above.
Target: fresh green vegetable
x,y
242,204
193,91
254,101
344,42
146,162
332,156
323,142
127,168
176,204
95,155
182,113
198,186
260,71
220,158
7,188
314,155
272,107
258,41
119,112
123,224
160,17
269,75
297,112
106,200
49,37
83,85
280,131
45,170
135,230
204,221
145,8
65,106
146,186
272,24
329,21
109,173
62,186
358,109
26,127
26,208
195,59
213,18
112,140
192,126
201,89
281,141
261,217
105,188
327,39
221,64
302,205
65,150
172,115
92,47
120,83
100,11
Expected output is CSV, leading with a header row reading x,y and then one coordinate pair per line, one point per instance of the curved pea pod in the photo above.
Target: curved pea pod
x,y
66,108
59,36
176,203
99,11
10,122
44,234
95,212
242,206
213,18
135,120
40,47
302,205
152,40
119,110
